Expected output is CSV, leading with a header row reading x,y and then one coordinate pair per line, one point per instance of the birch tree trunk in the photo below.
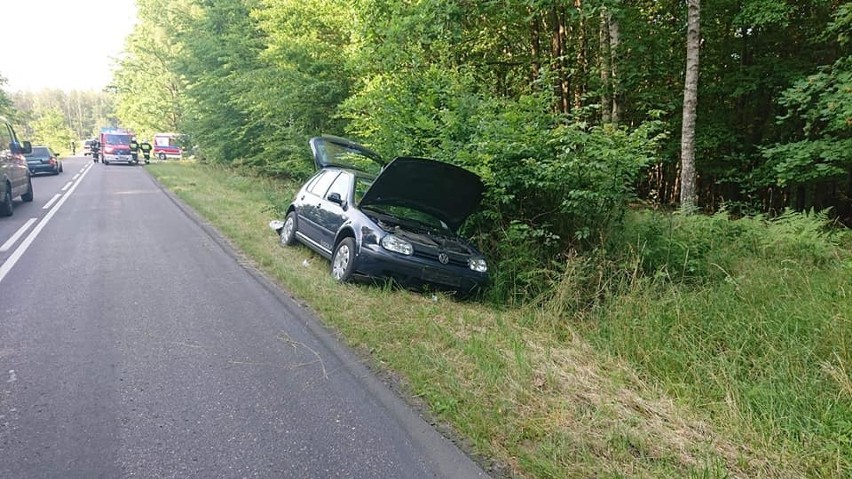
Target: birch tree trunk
x,y
690,101
614,40
581,66
606,99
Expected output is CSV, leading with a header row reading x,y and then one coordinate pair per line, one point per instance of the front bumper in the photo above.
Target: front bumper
x,y
376,262
109,158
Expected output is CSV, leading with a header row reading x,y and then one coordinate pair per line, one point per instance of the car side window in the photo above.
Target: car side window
x,y
341,186
312,181
323,182
5,138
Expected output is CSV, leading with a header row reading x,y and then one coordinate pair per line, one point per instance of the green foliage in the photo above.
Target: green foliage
x,y
6,108
510,91
705,249
149,93
51,130
748,318
553,188
820,107
218,47
83,112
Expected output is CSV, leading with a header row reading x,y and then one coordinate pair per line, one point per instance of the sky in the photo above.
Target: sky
x,y
52,44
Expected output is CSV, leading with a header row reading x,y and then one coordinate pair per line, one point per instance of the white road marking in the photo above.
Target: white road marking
x,y
22,248
14,239
75,177
50,203
12,376
67,185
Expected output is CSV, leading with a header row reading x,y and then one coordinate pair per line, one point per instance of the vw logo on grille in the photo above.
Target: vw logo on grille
x,y
443,258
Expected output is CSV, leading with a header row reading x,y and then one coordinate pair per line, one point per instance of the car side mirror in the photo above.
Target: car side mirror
x,y
335,198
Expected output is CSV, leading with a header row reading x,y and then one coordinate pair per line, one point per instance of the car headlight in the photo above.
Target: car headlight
x,y
478,265
393,243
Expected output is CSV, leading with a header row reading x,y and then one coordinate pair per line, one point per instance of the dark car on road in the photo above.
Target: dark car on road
x,y
15,178
43,160
396,220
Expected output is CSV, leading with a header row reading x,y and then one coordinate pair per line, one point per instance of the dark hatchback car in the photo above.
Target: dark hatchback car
x,y
395,220
43,160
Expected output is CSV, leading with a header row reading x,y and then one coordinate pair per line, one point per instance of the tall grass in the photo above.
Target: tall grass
x,y
749,320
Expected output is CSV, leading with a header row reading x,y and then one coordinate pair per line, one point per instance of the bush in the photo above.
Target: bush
x,y
698,249
554,185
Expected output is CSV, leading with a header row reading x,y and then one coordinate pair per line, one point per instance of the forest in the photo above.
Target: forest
x,y
569,110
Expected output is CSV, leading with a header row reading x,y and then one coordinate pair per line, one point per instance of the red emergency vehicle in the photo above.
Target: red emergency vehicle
x,y
115,145
167,145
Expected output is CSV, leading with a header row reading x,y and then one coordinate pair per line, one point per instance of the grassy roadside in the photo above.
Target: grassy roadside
x,y
549,396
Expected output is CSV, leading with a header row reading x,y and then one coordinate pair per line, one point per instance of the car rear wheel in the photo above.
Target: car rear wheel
x,y
28,196
6,204
343,261
162,156
288,231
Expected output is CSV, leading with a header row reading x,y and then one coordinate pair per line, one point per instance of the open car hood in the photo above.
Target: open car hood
x,y
447,192
340,152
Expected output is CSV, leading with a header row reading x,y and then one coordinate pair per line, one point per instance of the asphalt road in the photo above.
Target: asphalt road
x,y
135,343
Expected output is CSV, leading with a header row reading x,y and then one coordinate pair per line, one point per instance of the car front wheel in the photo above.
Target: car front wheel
x,y
28,196
6,203
288,231
343,261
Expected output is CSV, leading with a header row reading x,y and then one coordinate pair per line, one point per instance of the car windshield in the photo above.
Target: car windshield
x,y
166,140
39,151
117,139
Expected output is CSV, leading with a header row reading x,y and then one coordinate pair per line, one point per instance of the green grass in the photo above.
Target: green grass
x,y
747,376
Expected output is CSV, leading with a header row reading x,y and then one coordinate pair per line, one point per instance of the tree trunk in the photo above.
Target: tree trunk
x,y
535,45
606,99
614,39
562,84
581,67
690,101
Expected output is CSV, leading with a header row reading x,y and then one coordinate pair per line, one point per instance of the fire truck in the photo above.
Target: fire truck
x,y
115,146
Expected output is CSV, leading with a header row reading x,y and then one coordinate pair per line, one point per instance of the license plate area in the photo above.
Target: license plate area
x,y
434,275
